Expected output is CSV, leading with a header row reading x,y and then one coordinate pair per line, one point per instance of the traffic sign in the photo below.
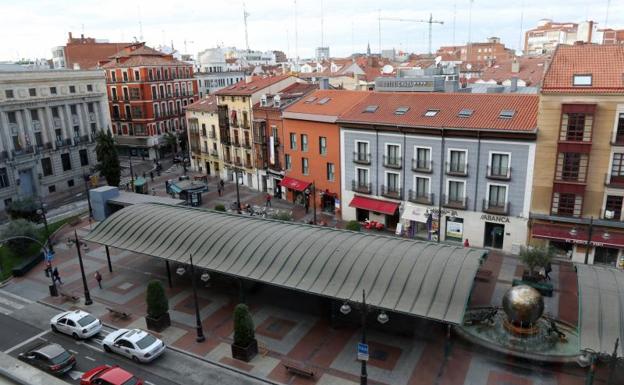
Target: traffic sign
x,y
362,352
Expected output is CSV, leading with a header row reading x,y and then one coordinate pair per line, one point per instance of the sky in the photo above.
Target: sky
x,y
32,27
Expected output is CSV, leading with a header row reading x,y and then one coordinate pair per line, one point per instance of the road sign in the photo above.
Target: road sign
x,y
362,352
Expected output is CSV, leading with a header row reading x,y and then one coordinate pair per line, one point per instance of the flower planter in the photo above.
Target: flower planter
x,y
245,353
158,324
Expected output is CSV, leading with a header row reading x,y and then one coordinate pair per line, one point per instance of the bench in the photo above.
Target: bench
x,y
483,275
69,296
297,370
118,313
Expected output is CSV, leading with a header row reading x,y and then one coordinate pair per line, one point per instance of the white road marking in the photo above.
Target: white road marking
x,y
26,341
148,383
17,297
74,374
11,304
6,311
89,358
73,351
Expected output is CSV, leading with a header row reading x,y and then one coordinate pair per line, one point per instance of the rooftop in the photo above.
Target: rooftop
x,y
532,70
139,54
329,103
257,83
288,95
207,104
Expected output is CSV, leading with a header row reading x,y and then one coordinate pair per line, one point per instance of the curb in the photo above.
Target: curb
x,y
189,354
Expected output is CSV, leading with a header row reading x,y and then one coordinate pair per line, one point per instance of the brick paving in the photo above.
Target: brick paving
x,y
290,329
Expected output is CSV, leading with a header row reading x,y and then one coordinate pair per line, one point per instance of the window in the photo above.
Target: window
x,y
565,204
66,162
287,161
507,114
90,87
330,171
393,155
72,89
32,91
4,178
582,80
12,116
465,113
46,166
497,196
575,126
204,129
137,75
84,158
617,168
401,110
70,183
53,90
323,145
125,76
422,187
362,177
304,166
371,109
392,182
499,165
304,142
619,134
571,166
423,158
34,115
51,188
361,155
457,164
456,191
613,207
9,94
431,113
323,101
293,141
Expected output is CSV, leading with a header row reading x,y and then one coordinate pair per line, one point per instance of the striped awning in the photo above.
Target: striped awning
x,y
417,278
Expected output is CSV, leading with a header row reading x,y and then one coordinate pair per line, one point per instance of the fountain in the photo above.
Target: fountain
x,y
521,329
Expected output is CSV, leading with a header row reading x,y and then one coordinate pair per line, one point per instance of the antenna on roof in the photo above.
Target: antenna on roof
x,y
296,38
454,19
520,47
322,36
245,14
607,15
140,25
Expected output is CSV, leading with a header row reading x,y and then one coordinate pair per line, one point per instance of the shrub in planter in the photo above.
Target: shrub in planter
x,y
24,208
282,216
219,207
353,226
157,317
19,228
535,258
245,346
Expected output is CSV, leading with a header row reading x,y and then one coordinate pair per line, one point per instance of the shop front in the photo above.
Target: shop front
x,y
384,212
295,189
275,183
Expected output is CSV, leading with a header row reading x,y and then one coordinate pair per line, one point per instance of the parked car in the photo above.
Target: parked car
x,y
78,324
109,375
136,344
49,357
177,159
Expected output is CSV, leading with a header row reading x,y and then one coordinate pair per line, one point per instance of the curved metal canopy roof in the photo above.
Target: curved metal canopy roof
x,y
417,278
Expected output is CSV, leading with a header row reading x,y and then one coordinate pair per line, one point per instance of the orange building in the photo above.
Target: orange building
x,y
312,148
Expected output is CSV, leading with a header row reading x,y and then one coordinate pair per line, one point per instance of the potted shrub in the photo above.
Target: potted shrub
x,y
353,225
245,346
157,318
219,207
535,258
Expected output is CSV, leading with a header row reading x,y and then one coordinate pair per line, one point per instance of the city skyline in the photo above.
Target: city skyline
x,y
347,29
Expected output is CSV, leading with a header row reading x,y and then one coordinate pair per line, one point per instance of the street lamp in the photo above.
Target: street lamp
x,y
382,318
238,204
86,178
204,277
88,300
42,214
313,192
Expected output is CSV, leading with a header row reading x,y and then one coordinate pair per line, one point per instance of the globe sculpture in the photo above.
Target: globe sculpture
x,y
523,305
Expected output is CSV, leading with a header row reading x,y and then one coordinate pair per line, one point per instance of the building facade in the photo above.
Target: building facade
x,y
612,36
148,92
429,164
577,190
210,82
48,123
548,34
83,52
203,136
235,109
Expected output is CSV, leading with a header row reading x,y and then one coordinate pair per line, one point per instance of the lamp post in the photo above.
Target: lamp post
x,y
382,318
84,278
86,178
42,213
204,277
589,237
238,204
312,193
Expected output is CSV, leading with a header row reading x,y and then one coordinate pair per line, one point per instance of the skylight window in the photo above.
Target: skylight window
x,y
323,101
401,110
431,113
507,114
582,80
253,87
310,99
370,109
465,113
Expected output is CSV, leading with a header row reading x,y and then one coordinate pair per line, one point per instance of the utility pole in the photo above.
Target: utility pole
x,y
322,36
379,31
245,15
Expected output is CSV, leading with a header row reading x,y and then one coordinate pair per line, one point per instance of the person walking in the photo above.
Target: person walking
x,y
222,184
268,200
219,189
152,175
56,276
98,278
466,243
547,270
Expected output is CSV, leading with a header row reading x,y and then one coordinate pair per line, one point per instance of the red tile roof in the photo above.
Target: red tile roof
x,y
246,89
532,69
339,101
604,62
138,54
485,116
207,104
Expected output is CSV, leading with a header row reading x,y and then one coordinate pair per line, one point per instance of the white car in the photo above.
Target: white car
x,y
136,344
76,323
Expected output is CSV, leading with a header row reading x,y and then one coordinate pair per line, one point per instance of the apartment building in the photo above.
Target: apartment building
x,y
83,52
48,122
548,35
235,111
203,136
445,166
578,188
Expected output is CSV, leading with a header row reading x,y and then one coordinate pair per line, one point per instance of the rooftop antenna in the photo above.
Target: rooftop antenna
x,y
322,36
140,25
469,30
379,29
520,47
296,36
245,15
454,19
607,15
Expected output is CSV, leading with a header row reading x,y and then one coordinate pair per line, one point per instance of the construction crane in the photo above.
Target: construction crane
x,y
245,15
430,22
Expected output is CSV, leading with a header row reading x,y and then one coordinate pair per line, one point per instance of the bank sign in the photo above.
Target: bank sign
x,y
406,84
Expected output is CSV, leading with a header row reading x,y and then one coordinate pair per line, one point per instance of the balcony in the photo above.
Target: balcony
x,y
498,173
459,203
247,144
420,165
391,192
361,158
60,143
227,159
238,162
22,151
236,143
454,169
614,181
248,164
495,207
226,140
392,162
212,135
416,197
364,188
214,153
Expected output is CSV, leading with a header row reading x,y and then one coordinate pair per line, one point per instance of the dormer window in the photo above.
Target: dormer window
x,y
465,113
323,101
582,80
309,100
431,113
370,109
507,114
401,110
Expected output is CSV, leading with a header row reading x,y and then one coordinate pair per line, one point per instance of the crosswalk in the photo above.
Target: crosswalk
x,y
10,302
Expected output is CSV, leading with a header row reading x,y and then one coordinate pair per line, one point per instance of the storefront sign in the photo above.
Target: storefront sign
x,y
455,228
494,218
337,203
272,149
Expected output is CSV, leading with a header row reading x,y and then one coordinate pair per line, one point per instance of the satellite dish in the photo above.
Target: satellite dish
x,y
469,66
438,59
387,69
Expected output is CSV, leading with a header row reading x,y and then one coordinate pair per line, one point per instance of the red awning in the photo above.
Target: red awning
x,y
375,205
601,236
294,184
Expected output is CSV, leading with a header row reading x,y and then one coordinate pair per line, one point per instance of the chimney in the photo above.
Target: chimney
x,y
515,67
248,79
324,83
514,84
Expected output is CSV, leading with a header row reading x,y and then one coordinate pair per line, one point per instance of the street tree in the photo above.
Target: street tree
x,y
19,228
171,141
107,157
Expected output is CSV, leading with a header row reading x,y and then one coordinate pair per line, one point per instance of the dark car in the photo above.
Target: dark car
x,y
177,159
109,375
52,358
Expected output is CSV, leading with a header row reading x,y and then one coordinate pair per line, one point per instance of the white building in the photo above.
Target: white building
x,y
548,34
48,122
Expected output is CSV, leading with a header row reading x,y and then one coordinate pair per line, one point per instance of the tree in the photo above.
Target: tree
x,y
219,207
107,157
243,326
535,257
171,141
183,140
157,303
353,226
19,228
24,208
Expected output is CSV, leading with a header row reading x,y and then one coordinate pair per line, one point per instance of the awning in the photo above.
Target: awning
x,y
140,181
416,213
294,184
601,304
601,236
175,189
376,205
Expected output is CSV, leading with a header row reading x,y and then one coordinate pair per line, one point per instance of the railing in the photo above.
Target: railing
x,y
77,140
238,162
25,150
499,173
63,143
84,138
454,202
227,159
495,207
416,197
455,169
48,146
247,144
226,140
420,165
392,161
361,158
365,188
391,192
615,181
214,153
247,164
236,143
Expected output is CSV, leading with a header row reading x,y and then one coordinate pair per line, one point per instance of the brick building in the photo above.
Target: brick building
x,y
148,92
612,36
83,52
477,53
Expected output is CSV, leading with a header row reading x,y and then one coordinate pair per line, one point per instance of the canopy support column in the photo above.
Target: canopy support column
x,y
110,266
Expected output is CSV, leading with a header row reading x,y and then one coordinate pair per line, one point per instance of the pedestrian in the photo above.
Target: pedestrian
x,y
219,189
152,175
56,276
466,243
222,184
48,269
547,271
268,200
98,278
307,205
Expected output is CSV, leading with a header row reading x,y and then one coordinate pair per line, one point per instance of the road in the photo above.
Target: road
x,y
171,368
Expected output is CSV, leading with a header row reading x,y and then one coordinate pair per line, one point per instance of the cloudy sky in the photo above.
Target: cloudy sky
x,y
32,27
